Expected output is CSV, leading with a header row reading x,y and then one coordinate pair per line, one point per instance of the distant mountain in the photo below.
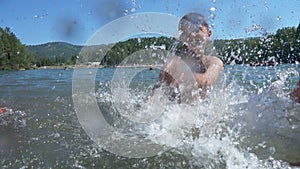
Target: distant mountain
x,y
54,50
281,47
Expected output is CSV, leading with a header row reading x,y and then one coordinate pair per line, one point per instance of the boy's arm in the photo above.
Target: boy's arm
x,y
210,76
295,94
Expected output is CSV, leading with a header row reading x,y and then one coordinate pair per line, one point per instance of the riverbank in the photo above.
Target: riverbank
x,y
99,66
68,67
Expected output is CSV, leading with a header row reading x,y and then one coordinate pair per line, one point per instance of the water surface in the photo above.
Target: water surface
x,y
262,126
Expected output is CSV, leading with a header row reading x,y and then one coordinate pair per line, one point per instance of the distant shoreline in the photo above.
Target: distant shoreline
x,y
100,66
53,67
67,67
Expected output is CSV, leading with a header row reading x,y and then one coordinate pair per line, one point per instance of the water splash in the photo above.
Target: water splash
x,y
14,119
227,130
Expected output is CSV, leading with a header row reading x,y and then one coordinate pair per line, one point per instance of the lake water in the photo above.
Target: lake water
x,y
247,120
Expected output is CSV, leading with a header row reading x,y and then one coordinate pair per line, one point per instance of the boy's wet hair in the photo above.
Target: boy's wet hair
x,y
192,22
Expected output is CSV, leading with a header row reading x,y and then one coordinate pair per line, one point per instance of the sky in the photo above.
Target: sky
x,y
75,21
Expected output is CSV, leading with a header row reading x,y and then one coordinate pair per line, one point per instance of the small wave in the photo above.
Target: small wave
x,y
15,119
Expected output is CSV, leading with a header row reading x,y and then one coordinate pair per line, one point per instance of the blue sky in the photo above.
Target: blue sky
x,y
75,21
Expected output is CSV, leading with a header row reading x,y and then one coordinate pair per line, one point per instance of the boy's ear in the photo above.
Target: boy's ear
x,y
209,33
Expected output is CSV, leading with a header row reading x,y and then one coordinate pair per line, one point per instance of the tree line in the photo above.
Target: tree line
x,y
281,47
55,53
13,54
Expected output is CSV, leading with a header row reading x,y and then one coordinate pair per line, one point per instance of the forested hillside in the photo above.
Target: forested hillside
x,y
54,53
281,47
13,54
270,49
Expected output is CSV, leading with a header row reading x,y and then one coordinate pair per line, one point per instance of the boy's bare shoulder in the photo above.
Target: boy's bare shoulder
x,y
214,60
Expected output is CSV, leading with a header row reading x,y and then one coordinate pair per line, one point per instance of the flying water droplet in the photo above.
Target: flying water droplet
x,y
279,18
212,16
125,12
132,9
212,9
272,150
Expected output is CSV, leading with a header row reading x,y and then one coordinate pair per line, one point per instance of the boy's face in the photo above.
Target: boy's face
x,y
200,36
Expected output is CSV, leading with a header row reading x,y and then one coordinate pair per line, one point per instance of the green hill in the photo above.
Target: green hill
x,y
54,49
281,47
54,53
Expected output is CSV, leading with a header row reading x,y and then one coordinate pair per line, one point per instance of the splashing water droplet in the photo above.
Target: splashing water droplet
x,y
212,9
125,12
133,2
272,150
212,16
279,18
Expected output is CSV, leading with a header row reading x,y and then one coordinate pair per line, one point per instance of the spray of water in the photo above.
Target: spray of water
x,y
226,130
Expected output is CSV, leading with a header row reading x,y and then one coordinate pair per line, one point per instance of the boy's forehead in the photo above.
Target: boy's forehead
x,y
196,20
193,27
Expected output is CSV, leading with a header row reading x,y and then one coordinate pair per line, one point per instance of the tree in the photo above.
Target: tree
x,y
13,54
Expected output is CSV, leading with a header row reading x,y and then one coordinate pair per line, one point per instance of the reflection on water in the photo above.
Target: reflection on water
x,y
247,121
